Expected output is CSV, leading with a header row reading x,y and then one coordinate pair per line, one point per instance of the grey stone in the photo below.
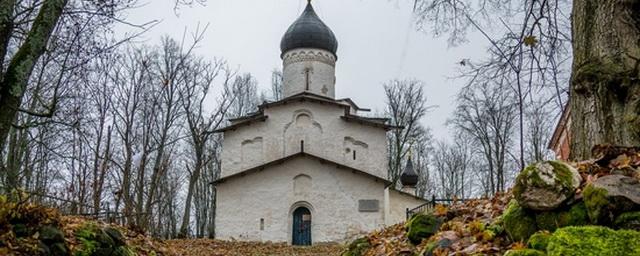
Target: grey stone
x,y
51,235
116,236
546,185
620,186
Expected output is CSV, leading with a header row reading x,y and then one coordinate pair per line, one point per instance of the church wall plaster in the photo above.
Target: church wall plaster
x,y
307,69
332,193
398,203
322,130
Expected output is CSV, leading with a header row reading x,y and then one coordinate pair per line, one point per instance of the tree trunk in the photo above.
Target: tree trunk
x,y
605,80
184,228
15,79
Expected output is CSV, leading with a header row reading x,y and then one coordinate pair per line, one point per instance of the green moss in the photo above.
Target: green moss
x,y
563,175
574,216
628,220
518,223
96,241
527,174
422,226
530,177
429,248
123,251
539,240
593,240
488,235
87,236
357,247
595,199
524,252
496,228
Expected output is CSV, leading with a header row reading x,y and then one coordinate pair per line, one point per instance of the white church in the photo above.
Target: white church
x,y
308,168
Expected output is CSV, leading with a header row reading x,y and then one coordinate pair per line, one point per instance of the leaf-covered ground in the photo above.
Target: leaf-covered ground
x,y
467,229
202,247
470,227
14,240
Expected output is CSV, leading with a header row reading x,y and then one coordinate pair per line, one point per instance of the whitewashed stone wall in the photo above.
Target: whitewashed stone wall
x,y
320,66
324,134
398,204
273,194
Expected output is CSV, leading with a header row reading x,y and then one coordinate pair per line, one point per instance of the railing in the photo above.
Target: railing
x,y
431,204
74,208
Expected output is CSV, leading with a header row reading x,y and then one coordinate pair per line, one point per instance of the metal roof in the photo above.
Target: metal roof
x,y
308,31
409,177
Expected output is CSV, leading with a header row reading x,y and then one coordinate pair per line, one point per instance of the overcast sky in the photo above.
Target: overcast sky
x,y
377,42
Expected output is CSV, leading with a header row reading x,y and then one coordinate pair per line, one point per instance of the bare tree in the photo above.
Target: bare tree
x,y
539,129
528,49
421,152
406,105
452,163
246,88
276,84
43,46
485,113
200,125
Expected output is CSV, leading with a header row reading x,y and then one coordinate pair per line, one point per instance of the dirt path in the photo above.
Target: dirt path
x,y
209,247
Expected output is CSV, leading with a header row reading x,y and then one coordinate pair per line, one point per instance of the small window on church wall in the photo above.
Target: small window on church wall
x,y
354,155
302,146
261,224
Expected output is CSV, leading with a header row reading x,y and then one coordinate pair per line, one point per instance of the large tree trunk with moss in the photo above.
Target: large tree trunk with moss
x,y
14,81
605,82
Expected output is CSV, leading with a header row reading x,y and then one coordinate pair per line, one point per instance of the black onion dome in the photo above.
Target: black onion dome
x,y
409,177
308,31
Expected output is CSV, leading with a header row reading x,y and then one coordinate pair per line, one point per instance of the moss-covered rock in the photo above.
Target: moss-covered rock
x,y
546,185
539,240
51,235
21,230
628,220
422,226
593,240
610,196
358,247
576,215
497,226
96,241
524,252
59,249
595,199
115,234
518,223
123,251
434,247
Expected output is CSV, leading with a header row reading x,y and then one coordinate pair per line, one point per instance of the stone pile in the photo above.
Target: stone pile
x,y
592,198
554,208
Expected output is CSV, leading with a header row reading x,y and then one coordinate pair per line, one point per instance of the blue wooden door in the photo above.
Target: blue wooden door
x,y
301,227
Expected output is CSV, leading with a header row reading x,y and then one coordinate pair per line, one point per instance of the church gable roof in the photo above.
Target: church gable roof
x,y
345,103
295,156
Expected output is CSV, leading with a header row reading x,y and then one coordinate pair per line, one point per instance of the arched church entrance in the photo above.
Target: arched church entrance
x,y
301,226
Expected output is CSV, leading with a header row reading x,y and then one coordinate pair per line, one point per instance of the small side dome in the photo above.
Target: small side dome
x,y
409,177
308,31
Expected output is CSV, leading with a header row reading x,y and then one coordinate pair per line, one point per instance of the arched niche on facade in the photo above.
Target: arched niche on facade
x,y
302,185
251,152
302,133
